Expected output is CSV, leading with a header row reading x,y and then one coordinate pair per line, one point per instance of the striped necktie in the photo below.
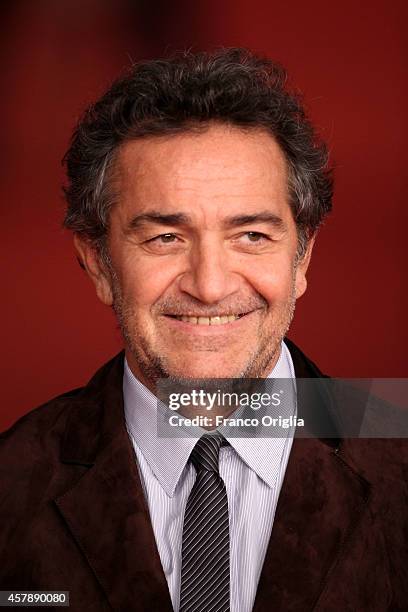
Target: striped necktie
x,y
205,571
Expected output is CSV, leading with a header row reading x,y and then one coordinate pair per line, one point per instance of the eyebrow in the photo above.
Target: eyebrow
x,y
177,219
261,217
161,219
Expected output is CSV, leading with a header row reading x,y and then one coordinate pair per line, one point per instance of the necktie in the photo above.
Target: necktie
x,y
205,571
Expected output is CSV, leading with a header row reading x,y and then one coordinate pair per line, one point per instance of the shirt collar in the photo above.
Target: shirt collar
x,y
167,457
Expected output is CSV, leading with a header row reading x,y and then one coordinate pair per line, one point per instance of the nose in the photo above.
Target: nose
x,y
209,278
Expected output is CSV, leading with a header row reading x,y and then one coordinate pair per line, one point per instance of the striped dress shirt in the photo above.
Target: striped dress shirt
x,y
252,469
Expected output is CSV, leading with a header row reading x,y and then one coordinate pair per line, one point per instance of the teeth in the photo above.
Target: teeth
x,y
217,320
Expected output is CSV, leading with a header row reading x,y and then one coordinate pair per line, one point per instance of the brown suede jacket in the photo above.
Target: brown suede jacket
x,y
73,515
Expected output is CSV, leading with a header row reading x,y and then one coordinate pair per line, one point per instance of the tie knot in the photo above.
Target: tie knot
x,y
205,454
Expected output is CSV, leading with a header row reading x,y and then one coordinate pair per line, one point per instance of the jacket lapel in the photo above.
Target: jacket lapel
x,y
107,507
320,504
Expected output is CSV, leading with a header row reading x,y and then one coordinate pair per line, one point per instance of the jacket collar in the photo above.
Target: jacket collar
x,y
97,412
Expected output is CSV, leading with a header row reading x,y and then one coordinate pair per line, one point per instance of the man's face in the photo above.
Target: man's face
x,y
202,242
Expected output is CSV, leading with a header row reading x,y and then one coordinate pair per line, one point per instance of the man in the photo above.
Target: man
x,y
196,186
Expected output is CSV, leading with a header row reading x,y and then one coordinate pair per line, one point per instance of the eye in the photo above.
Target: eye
x,y
164,244
256,236
164,238
252,241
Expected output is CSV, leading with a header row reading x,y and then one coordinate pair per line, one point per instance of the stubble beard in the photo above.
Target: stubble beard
x,y
153,366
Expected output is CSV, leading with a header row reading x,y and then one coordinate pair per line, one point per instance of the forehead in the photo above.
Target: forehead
x,y
221,169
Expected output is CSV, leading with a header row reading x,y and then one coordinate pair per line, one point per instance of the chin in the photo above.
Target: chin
x,y
206,369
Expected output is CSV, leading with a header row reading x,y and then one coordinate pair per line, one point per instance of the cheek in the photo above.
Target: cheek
x,y
144,280
273,280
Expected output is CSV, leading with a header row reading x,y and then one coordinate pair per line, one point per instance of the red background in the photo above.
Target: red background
x,y
349,60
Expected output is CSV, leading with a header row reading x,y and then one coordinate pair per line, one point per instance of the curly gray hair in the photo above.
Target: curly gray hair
x,y
186,92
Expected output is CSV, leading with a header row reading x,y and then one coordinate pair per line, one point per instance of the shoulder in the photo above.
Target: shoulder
x,y
372,433
381,461
34,442
30,468
38,429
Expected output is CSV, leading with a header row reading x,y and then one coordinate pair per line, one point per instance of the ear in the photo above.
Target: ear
x,y
90,259
301,269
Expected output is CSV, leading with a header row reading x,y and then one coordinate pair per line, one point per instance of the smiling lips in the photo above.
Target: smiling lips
x,y
217,320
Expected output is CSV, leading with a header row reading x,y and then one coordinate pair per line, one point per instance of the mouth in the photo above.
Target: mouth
x,y
221,319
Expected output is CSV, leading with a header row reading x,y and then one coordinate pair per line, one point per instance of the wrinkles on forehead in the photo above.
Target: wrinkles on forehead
x,y
223,172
